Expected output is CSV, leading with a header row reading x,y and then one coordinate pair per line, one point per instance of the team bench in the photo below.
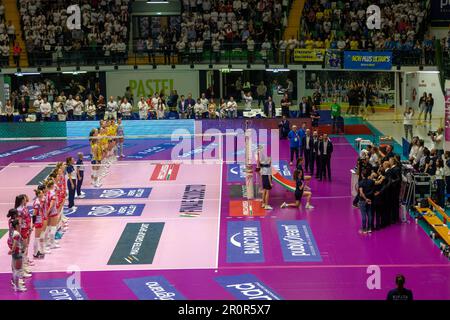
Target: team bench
x,y
439,228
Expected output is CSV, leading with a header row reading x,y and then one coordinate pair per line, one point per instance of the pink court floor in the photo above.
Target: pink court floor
x,y
174,225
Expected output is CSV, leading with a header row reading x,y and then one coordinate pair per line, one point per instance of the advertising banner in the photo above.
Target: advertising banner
x,y
309,55
361,60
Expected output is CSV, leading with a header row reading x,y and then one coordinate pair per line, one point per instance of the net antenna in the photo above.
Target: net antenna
x,y
248,162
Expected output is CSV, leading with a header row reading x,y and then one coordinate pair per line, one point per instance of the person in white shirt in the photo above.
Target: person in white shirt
x,y
58,108
69,107
143,109
37,103
78,109
46,110
111,109
407,122
160,108
231,110
438,141
125,109
91,111
250,49
248,99
199,109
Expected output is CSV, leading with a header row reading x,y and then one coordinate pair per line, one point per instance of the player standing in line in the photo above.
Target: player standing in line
x,y
96,153
121,138
60,199
16,253
25,228
38,214
53,216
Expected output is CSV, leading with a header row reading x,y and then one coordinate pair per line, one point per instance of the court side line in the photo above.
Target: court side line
x,y
219,218
253,267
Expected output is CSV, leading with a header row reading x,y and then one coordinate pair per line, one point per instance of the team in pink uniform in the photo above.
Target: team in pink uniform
x,y
46,218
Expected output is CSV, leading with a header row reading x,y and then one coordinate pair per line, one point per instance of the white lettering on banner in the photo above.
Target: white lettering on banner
x,y
253,290
139,239
159,291
163,172
295,243
11,153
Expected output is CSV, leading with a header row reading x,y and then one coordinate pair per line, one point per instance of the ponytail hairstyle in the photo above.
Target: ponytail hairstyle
x,y
50,184
38,192
68,161
299,161
19,200
14,224
12,214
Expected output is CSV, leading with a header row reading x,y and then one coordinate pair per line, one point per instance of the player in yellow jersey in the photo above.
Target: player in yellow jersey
x,y
95,157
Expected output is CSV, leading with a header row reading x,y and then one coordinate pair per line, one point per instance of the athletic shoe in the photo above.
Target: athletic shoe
x,y
58,235
268,208
83,193
26,275
55,246
81,196
76,196
19,288
370,231
283,205
308,206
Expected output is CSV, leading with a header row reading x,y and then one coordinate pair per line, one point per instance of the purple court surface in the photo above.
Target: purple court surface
x,y
193,245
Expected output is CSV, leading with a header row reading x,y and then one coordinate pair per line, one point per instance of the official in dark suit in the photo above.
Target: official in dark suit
x,y
269,108
396,179
285,128
325,151
315,159
307,150
182,107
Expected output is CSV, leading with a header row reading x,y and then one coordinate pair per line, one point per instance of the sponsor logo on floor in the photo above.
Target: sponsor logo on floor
x,y
57,152
153,288
165,172
137,244
297,241
244,242
3,232
192,202
143,154
246,208
235,172
41,176
17,151
247,287
124,193
238,191
107,210
58,289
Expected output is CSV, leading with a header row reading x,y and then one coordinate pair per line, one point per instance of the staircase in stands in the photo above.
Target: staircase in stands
x,y
295,14
12,14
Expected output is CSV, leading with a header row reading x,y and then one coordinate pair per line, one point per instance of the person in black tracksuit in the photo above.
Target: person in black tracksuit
x,y
386,195
307,151
378,200
396,179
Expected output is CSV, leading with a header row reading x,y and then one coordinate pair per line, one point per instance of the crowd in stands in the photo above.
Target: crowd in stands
x,y
104,31
343,25
213,25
